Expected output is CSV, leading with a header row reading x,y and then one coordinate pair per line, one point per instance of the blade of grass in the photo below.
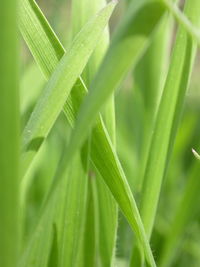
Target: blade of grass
x,y
170,108
154,61
104,211
74,215
9,136
28,95
183,215
183,20
60,84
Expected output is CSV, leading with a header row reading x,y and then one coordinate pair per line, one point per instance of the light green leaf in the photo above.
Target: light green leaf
x,y
74,215
9,136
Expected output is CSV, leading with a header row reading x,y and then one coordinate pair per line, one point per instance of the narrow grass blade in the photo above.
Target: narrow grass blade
x,y
58,88
154,61
170,109
89,249
183,215
74,215
183,20
9,136
33,23
103,213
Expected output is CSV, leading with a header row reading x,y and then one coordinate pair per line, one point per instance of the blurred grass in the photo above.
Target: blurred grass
x,y
77,225
9,136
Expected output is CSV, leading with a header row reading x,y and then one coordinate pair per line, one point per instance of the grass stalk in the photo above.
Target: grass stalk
x,y
9,136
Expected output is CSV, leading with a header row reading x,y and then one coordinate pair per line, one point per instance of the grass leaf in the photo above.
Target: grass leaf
x,y
9,136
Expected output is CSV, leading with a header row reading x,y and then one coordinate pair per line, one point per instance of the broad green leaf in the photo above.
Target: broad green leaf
x,y
9,136
170,108
59,85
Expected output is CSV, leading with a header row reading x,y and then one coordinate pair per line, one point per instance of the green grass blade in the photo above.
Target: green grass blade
x,y
31,23
183,20
182,217
170,109
154,61
103,214
9,136
74,215
58,87
89,249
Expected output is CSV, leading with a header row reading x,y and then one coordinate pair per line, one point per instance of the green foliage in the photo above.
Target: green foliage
x,y
9,136
107,173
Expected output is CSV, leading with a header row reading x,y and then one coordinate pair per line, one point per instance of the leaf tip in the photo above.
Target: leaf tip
x,y
195,154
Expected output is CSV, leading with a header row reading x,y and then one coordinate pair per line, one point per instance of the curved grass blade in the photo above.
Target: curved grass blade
x,y
9,136
58,87
170,108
